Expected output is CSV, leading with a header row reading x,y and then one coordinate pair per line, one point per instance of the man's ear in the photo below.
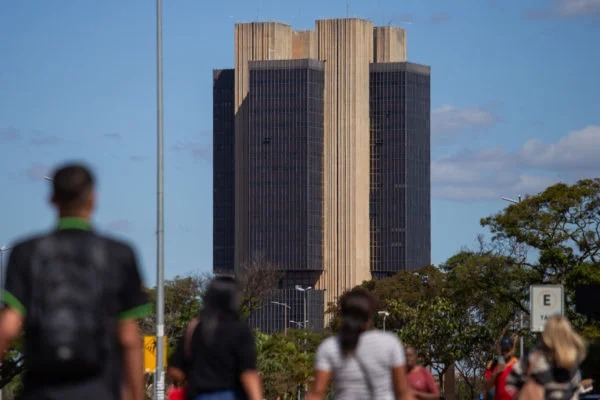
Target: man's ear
x,y
92,199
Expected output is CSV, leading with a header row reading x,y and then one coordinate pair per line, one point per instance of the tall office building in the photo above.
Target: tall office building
x,y
223,171
328,186
400,160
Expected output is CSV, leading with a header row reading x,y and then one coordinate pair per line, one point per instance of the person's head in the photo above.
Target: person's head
x,y
507,347
222,296
357,308
565,345
411,356
73,191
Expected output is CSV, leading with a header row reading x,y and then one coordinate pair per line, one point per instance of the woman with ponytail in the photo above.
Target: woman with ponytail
x,y
362,362
216,358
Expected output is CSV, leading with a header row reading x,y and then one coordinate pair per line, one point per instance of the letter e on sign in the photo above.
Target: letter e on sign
x,y
545,301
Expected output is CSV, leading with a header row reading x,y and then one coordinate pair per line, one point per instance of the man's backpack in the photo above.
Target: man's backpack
x,y
66,324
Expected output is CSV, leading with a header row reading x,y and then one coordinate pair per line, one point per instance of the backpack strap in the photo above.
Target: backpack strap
x,y
365,373
187,339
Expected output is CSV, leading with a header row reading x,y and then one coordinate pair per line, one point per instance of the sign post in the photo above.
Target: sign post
x,y
150,354
545,301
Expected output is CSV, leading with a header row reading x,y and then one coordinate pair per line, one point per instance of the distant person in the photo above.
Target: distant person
x,y
553,366
216,358
76,294
489,370
419,378
496,379
362,362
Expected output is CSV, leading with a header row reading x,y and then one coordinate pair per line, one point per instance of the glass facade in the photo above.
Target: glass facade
x,y
273,318
400,209
285,163
284,107
223,171
285,184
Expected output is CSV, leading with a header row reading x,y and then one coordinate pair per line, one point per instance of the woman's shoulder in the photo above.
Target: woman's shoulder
x,y
376,339
378,335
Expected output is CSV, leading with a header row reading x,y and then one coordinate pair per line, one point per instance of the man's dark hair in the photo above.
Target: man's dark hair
x,y
70,184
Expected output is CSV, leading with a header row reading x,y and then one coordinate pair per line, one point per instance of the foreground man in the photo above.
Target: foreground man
x,y
76,294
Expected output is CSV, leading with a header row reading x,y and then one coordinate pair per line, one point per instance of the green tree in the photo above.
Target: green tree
x,y
562,225
489,287
286,362
183,296
258,279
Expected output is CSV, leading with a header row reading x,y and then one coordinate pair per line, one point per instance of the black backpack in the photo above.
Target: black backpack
x,y
66,327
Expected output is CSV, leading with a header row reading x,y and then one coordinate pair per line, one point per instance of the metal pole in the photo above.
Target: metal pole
x,y
305,320
2,267
159,378
521,345
2,250
384,317
285,321
2,284
285,314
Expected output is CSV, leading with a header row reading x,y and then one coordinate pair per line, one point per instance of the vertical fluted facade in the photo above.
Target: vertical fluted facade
x,y
389,44
255,41
346,47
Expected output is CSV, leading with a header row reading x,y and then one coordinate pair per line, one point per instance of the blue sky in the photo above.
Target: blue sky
x,y
515,106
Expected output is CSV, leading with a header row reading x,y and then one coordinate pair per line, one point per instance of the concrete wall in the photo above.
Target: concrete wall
x,y
346,47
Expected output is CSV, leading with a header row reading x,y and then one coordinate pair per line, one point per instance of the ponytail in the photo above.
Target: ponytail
x,y
357,309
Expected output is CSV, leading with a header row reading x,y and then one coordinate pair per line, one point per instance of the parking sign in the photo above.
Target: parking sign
x,y
545,301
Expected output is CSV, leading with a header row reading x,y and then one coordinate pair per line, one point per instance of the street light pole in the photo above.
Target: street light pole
x,y
2,250
385,314
521,344
305,291
285,314
298,324
159,381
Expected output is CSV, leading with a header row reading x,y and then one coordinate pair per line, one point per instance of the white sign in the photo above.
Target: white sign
x,y
545,301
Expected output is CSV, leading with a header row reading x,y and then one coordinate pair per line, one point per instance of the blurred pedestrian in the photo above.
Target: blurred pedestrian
x,y
76,294
504,363
362,362
216,358
489,370
420,380
552,370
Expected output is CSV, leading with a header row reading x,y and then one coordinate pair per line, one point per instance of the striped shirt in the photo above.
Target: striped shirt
x,y
559,383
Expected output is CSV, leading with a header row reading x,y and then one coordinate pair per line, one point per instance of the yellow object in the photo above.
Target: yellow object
x,y
150,353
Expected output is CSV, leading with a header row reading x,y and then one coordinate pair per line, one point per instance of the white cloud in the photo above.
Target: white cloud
x,y
577,150
566,9
198,150
447,120
571,8
113,136
439,18
488,173
469,166
9,135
